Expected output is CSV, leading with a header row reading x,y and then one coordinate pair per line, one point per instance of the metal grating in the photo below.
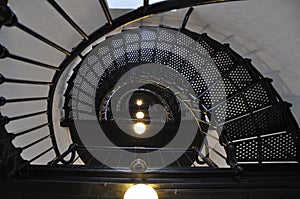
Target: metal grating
x,y
273,147
280,147
227,86
268,120
245,101
247,151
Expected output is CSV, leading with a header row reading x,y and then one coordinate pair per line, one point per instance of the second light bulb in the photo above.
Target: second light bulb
x,y
140,115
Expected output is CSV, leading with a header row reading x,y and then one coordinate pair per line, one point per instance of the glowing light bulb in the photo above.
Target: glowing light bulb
x,y
140,191
139,102
140,115
139,128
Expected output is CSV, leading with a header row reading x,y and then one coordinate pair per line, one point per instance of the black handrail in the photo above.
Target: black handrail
x,y
186,18
41,154
146,4
30,130
8,18
4,53
4,101
31,61
105,9
27,115
21,81
68,18
42,38
35,142
60,158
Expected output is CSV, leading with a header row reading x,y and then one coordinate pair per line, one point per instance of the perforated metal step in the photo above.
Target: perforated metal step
x,y
227,86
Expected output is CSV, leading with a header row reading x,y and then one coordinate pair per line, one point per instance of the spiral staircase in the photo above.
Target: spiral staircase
x,y
246,134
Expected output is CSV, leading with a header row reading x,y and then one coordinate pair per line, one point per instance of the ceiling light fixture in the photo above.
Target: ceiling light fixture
x,y
139,102
140,115
139,128
140,191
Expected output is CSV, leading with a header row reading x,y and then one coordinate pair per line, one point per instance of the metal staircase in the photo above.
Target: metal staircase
x,y
242,122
